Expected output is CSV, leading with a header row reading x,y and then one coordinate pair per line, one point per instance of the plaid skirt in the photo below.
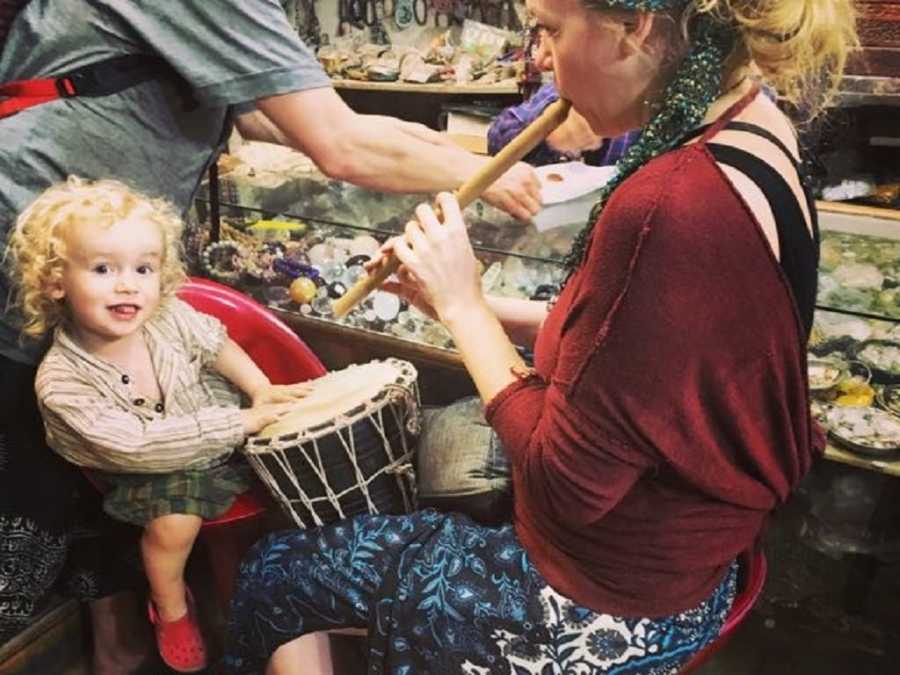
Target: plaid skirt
x,y
138,498
441,594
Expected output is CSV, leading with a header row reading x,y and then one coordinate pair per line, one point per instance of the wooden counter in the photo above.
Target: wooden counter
x,y
890,468
859,210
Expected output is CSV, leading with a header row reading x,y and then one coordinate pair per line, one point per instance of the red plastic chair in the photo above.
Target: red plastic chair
x,y
285,359
752,569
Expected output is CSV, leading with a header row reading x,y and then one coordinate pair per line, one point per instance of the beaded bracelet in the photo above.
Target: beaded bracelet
x,y
224,259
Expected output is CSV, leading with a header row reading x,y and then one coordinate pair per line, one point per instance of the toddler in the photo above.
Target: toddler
x,y
138,386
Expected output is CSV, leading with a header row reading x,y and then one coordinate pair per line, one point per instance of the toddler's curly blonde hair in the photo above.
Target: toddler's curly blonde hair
x,y
36,252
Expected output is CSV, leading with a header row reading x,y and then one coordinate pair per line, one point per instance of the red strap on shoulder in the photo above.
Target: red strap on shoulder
x,y
21,94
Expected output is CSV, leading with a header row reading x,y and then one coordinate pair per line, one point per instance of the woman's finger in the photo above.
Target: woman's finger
x,y
394,287
404,252
416,238
450,210
407,278
428,218
383,252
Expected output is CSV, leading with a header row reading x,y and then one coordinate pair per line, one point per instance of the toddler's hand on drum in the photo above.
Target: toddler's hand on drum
x,y
255,419
280,393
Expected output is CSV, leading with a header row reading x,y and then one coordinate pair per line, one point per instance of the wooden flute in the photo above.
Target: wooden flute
x,y
468,192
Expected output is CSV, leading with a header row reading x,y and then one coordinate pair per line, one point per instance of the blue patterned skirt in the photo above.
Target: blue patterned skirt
x,y
441,594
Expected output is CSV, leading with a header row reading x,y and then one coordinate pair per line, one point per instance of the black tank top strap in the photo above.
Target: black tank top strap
x,y
798,166
757,130
799,252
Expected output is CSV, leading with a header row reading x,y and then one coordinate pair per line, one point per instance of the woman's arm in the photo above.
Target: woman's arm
x,y
438,258
568,466
521,319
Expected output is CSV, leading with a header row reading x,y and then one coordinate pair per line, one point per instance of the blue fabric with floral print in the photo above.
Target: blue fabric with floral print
x,y
439,593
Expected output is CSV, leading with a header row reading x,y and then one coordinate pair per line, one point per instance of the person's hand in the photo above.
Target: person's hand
x,y
280,393
402,283
438,264
255,419
574,135
518,192
405,285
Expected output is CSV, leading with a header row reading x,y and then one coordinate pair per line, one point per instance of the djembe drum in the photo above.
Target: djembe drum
x,y
346,448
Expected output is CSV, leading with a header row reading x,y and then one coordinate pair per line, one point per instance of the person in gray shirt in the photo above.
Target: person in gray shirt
x,y
233,61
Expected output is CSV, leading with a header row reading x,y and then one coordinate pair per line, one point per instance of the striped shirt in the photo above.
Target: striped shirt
x,y
94,419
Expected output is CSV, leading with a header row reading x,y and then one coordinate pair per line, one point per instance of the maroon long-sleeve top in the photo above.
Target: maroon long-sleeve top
x,y
670,413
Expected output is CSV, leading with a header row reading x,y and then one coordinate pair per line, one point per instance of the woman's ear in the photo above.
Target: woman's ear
x,y
638,29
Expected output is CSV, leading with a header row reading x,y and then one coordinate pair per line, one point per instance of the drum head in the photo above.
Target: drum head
x,y
342,393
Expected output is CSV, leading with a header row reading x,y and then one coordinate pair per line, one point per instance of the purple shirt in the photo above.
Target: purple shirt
x,y
510,122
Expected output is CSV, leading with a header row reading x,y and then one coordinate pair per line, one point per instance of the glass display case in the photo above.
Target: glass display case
x,y
295,241
854,366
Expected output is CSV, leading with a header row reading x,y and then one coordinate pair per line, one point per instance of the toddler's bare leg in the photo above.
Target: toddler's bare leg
x,y
165,546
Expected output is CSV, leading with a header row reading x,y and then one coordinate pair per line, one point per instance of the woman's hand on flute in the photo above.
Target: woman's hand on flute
x,y
402,282
405,285
518,192
439,272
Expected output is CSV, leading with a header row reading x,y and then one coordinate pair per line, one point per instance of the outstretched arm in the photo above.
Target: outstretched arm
x,y
380,152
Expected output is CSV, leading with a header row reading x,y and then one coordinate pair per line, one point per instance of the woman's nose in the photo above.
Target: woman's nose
x,y
543,58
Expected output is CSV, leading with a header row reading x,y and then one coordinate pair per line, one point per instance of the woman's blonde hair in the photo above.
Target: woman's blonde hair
x,y
801,47
36,252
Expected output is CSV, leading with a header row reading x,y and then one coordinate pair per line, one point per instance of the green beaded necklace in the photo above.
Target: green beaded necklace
x,y
695,86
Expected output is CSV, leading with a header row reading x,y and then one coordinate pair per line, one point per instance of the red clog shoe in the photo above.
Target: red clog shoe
x,y
180,642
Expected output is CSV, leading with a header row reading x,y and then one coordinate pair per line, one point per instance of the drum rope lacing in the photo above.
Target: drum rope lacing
x,y
402,400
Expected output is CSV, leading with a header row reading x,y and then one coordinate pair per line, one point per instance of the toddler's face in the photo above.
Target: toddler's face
x,y
111,280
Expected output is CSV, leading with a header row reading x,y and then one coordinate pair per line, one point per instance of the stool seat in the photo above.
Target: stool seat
x,y
752,569
247,505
